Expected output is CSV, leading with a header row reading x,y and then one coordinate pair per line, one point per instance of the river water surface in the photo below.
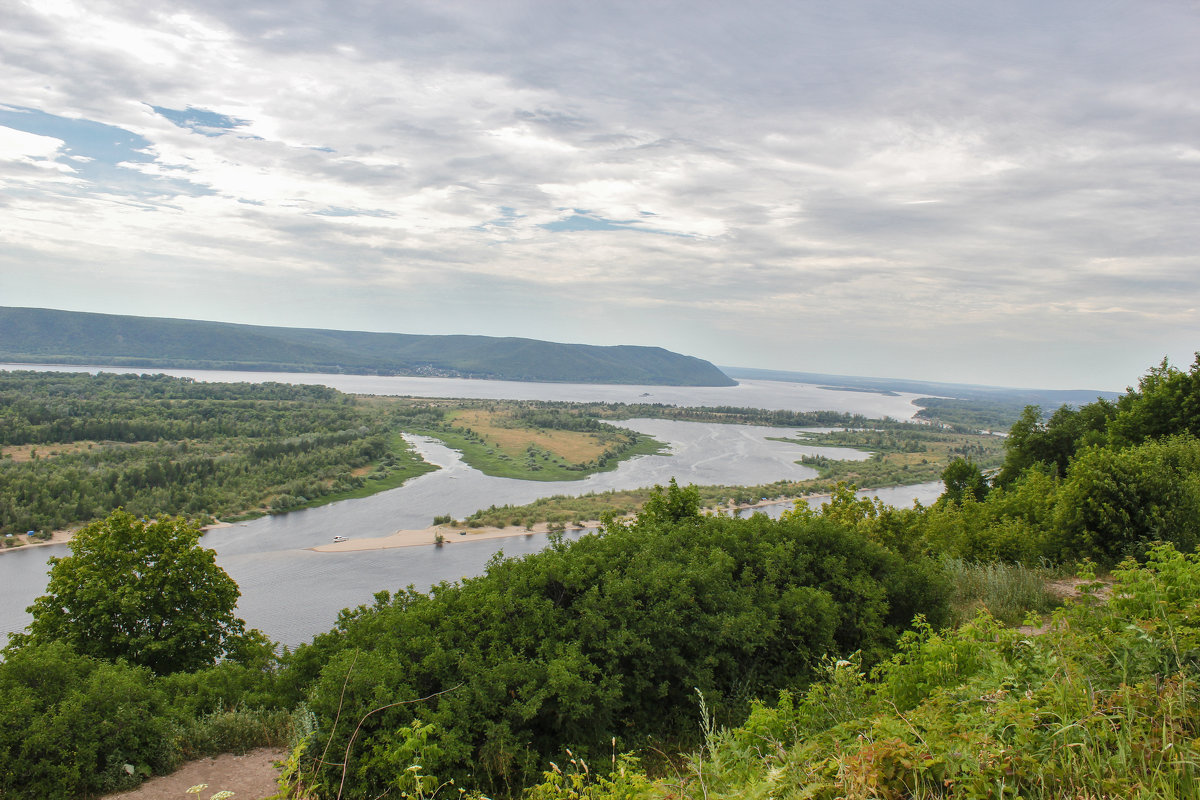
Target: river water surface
x,y
291,592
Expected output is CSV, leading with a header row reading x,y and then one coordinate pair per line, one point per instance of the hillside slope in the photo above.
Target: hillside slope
x,y
35,335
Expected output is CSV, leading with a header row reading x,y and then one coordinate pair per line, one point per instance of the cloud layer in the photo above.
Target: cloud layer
x,y
1004,196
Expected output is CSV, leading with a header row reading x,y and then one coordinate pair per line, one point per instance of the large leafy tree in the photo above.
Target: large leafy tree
x,y
145,592
962,477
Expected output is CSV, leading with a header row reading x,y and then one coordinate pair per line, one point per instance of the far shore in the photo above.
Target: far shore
x,y
65,536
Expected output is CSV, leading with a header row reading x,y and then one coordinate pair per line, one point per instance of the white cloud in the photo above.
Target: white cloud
x,y
30,149
871,178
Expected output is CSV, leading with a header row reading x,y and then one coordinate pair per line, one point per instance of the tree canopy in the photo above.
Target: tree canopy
x,y
144,592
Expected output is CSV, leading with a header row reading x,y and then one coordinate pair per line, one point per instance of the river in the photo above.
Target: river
x,y
291,592
773,395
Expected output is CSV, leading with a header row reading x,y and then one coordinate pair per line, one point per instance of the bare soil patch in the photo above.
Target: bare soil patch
x,y
252,776
1068,589
25,452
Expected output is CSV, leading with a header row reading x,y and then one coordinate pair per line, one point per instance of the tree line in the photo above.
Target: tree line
x,y
155,444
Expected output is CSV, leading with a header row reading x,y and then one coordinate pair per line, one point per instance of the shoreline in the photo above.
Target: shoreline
x,y
65,536
426,537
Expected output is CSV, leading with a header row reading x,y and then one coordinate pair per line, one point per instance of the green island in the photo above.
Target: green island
x,y
535,441
850,650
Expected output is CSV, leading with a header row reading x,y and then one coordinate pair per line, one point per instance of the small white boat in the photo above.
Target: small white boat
x,y
340,539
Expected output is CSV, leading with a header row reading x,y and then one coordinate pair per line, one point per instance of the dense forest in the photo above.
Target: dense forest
x,y
850,650
46,336
77,446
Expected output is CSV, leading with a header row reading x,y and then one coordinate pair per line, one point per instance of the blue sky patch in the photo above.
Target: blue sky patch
x,y
201,121
583,220
104,153
507,215
81,137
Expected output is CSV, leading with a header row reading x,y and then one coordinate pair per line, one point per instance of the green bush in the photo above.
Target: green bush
x,y
1105,704
1117,503
77,726
608,636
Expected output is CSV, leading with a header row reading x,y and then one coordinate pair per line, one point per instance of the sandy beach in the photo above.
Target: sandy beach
x,y
58,537
423,537
428,536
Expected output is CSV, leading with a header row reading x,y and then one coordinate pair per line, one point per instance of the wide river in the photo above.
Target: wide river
x,y
291,592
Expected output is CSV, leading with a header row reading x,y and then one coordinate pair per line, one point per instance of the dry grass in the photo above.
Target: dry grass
x,y
24,452
573,446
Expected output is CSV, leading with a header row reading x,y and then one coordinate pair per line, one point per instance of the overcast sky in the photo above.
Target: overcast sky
x,y
1003,193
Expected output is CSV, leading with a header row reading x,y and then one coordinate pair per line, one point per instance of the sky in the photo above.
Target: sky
x,y
1002,193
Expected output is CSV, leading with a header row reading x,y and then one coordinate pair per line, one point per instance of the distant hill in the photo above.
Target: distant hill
x,y
47,336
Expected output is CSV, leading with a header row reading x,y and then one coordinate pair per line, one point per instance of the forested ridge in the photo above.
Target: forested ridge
x,y
850,650
46,336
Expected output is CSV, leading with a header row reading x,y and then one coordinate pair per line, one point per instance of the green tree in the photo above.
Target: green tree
x,y
963,477
76,726
1117,503
143,592
672,504
1167,401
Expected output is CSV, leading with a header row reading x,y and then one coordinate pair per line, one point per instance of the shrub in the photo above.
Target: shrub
x,y
77,726
608,635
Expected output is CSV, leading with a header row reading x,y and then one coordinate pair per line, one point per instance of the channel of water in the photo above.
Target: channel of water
x,y
292,593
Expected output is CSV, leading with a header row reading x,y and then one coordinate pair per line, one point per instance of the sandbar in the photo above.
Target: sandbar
x,y
428,536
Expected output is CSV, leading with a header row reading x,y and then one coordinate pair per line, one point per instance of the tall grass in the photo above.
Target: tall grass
x,y
1008,591
234,730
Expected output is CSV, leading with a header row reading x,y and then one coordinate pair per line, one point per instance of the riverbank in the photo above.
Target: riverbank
x,y
426,537
65,536
423,537
24,542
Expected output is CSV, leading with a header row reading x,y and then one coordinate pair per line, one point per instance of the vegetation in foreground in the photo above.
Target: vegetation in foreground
x,y
604,637
817,642
1103,704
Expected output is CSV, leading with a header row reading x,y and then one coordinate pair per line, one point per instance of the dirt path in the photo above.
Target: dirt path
x,y
1067,589
250,777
